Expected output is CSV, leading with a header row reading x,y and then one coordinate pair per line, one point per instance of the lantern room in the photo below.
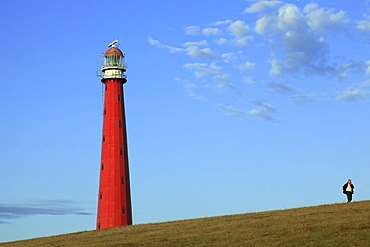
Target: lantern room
x,y
114,63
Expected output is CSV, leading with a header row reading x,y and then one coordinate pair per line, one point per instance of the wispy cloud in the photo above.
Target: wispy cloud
x,y
203,69
261,110
192,30
191,89
229,57
220,23
211,31
367,73
365,83
196,52
171,49
196,43
246,66
364,25
229,110
277,87
302,99
351,94
10,212
222,80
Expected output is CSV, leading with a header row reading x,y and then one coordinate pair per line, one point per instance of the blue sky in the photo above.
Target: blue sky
x,y
231,108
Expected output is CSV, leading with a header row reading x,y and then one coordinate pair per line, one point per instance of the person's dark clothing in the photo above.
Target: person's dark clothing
x,y
348,192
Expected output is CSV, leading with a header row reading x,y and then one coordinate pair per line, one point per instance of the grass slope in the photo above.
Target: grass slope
x,y
344,224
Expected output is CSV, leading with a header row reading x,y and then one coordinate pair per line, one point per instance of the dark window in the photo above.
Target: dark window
x,y
100,196
123,210
99,226
119,97
121,151
122,180
105,111
102,166
120,124
103,138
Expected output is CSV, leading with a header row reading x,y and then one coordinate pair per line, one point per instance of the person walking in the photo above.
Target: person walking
x,y
348,189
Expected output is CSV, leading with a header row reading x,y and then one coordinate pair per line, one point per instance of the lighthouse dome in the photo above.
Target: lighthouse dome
x,y
113,51
114,63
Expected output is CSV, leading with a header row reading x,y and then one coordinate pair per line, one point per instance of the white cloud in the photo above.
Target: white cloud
x,y
260,6
229,110
351,94
211,31
171,49
196,43
320,19
302,98
228,57
263,110
297,42
249,80
289,18
192,30
302,50
238,28
311,18
190,88
293,39
194,51
364,25
262,23
277,87
276,67
203,69
366,83
220,23
243,41
221,41
246,66
222,80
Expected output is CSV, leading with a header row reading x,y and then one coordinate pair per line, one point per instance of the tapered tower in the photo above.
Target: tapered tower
x,y
114,199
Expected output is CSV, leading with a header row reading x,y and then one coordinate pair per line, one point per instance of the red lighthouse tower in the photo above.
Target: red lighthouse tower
x,y
114,199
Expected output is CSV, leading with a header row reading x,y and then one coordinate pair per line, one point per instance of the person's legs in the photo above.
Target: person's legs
x,y
349,196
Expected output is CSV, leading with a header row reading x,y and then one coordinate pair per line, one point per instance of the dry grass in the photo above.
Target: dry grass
x,y
345,224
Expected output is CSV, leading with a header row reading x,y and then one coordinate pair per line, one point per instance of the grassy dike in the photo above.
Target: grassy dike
x,y
342,224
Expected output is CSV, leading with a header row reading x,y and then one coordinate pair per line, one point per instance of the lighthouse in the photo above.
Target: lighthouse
x,y
114,198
